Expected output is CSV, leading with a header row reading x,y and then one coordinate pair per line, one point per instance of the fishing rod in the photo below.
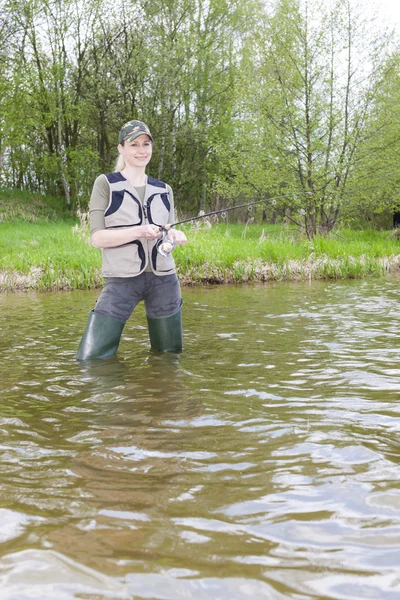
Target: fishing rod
x,y
165,247
224,210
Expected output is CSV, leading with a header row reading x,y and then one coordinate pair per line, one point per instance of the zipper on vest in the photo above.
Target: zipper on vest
x,y
145,209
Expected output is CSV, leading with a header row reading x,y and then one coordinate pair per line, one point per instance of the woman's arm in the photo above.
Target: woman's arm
x,y
108,238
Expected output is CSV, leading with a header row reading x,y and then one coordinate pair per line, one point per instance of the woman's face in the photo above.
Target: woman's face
x,y
138,152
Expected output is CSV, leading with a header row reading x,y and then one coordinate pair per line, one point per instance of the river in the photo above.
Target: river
x,y
262,462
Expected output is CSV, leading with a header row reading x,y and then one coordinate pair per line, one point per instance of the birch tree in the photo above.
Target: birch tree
x,y
375,186
46,110
316,72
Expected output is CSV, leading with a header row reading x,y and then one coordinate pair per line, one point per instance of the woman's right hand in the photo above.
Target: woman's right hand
x,y
148,232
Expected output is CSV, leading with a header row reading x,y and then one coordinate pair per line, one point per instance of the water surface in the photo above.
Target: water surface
x,y
262,462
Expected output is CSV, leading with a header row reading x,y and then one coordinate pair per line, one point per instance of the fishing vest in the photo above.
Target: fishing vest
x,y
125,210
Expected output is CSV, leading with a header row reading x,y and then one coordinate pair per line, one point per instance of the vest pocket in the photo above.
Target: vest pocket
x,y
158,209
124,261
124,210
161,264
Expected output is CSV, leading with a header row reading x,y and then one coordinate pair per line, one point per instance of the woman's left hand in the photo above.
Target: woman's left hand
x,y
177,236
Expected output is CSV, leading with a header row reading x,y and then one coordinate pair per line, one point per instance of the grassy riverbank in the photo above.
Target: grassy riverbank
x,y
235,253
43,247
58,255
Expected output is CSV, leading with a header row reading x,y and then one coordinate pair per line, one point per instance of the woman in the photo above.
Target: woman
x,y
127,209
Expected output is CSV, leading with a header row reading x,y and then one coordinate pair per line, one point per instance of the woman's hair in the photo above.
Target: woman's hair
x,y
121,164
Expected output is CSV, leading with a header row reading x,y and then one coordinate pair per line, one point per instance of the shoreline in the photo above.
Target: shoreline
x,y
59,256
242,272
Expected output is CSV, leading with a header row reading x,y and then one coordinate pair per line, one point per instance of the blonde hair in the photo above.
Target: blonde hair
x,y
120,164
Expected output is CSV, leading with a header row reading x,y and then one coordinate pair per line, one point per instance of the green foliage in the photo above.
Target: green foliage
x,y
16,205
375,188
306,115
245,100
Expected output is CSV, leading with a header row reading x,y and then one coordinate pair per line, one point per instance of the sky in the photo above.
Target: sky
x,y
389,10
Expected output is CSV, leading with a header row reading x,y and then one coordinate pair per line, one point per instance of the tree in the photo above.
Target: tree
x,y
7,33
46,105
375,187
309,105
246,100
194,47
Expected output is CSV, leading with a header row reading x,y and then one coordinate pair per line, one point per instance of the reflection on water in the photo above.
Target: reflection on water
x,y
262,462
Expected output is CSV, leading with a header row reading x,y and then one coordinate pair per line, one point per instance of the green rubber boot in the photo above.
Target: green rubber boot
x,y
166,332
101,337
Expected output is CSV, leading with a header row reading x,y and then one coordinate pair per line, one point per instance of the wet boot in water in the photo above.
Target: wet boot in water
x,y
166,332
101,337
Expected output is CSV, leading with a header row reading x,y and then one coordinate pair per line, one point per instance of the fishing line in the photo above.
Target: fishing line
x,y
224,210
165,246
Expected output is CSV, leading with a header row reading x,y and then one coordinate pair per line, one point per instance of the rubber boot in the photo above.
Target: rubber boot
x,y
101,337
166,332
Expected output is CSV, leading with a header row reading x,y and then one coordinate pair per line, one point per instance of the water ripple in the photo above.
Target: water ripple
x,y
262,462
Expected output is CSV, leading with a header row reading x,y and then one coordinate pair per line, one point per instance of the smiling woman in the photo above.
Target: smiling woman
x,y
127,210
138,152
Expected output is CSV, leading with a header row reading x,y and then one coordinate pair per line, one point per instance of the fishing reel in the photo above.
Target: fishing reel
x,y
165,246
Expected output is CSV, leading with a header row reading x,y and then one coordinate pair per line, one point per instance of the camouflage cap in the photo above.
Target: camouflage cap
x,y
131,130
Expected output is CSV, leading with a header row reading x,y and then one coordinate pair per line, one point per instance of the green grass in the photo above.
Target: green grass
x,y
53,253
16,205
237,253
46,256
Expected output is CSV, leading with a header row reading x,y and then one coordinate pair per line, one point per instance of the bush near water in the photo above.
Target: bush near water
x,y
43,247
